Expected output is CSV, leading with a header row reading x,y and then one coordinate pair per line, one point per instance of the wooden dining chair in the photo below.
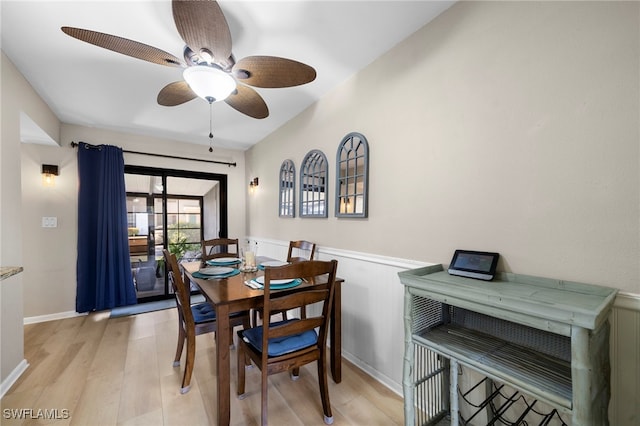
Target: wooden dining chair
x,y
193,320
287,345
301,247
296,251
220,247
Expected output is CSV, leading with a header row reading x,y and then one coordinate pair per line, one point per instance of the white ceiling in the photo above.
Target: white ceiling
x,y
90,86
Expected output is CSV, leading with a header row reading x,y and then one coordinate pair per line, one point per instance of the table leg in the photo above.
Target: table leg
x,y
223,365
335,330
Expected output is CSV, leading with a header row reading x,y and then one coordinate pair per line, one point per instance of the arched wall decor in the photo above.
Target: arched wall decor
x,y
352,176
314,184
287,180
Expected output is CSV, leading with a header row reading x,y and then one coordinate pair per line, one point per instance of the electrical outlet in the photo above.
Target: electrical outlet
x,y
49,222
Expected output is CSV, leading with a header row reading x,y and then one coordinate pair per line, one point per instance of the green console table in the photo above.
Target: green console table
x,y
549,339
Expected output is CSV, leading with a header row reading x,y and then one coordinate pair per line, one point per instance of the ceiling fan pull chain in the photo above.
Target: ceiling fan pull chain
x,y
210,127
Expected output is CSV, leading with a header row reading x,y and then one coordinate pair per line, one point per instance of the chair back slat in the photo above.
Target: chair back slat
x,y
220,247
292,301
301,247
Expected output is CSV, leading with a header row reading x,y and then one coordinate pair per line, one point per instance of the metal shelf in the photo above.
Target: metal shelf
x,y
539,375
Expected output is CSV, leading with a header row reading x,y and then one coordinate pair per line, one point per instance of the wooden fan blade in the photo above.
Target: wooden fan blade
x,y
248,101
124,46
175,93
271,71
203,27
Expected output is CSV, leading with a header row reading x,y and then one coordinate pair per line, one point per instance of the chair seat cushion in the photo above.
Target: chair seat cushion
x,y
203,312
280,345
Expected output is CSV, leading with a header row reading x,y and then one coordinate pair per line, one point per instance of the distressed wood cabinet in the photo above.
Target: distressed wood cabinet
x,y
547,338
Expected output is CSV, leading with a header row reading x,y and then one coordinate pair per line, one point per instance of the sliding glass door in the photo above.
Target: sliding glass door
x,y
170,209
144,218
184,225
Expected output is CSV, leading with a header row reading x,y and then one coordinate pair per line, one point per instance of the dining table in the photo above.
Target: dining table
x,y
230,295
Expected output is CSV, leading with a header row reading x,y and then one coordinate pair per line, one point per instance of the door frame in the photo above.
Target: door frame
x,y
164,173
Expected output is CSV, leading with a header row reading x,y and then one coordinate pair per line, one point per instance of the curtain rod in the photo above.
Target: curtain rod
x,y
75,144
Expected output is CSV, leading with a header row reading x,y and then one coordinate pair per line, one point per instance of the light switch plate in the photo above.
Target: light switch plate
x,y
49,222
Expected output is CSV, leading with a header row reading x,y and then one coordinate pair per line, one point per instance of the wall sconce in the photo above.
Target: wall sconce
x,y
253,185
49,173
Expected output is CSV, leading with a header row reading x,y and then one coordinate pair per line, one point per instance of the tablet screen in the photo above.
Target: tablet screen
x,y
474,264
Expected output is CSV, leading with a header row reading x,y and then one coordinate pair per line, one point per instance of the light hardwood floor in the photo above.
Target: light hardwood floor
x,y
118,371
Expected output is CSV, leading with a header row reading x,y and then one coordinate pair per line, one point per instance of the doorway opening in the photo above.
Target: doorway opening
x,y
174,210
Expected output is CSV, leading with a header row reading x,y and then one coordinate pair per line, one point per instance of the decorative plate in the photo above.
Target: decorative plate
x,y
224,260
273,263
216,270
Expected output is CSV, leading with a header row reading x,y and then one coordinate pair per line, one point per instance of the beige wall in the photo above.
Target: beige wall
x,y
46,288
50,264
17,96
48,255
502,126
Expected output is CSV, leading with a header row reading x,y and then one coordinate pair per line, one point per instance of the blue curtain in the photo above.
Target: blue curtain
x,y
104,278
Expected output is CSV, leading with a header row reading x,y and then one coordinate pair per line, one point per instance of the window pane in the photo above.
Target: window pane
x,y
172,206
189,220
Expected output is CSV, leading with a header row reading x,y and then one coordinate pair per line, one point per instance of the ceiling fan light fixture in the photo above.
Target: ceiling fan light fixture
x,y
209,83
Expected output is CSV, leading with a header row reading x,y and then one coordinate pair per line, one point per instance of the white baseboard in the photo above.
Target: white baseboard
x,y
52,317
13,377
386,381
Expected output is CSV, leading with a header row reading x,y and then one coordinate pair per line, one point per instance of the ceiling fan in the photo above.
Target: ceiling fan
x,y
210,69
